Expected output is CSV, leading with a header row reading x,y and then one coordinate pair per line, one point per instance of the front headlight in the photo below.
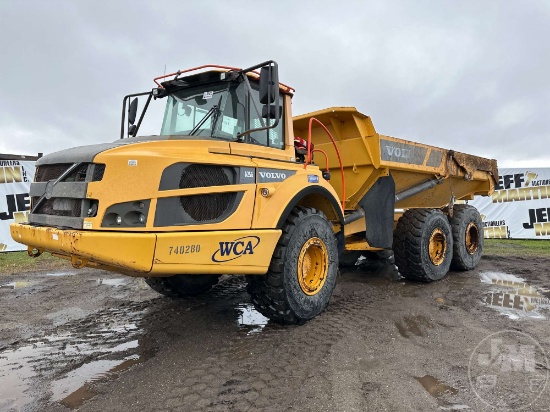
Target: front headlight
x,y
128,214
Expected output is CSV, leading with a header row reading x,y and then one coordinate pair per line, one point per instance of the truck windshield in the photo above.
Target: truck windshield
x,y
220,110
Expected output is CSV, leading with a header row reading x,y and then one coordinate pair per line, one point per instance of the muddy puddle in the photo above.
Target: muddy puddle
x,y
513,297
250,319
440,391
413,325
113,281
71,361
15,285
59,274
435,387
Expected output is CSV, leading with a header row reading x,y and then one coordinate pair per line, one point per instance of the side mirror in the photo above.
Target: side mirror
x,y
132,111
269,84
270,111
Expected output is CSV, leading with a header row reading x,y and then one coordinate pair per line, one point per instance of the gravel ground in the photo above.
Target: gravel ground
x,y
91,340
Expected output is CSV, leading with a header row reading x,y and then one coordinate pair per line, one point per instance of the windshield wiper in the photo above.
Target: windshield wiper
x,y
213,109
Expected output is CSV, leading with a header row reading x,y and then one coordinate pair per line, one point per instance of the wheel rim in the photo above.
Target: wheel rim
x,y
437,247
472,238
312,266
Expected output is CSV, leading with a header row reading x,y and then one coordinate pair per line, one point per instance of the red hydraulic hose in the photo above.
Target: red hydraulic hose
x,y
337,153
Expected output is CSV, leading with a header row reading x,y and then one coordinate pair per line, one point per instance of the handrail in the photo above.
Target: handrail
x,y
337,153
213,66
326,157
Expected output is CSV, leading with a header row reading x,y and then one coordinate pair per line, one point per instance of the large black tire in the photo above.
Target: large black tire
x,y
280,294
467,230
416,230
178,286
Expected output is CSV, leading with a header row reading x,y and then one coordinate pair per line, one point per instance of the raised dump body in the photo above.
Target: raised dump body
x,y
367,155
392,187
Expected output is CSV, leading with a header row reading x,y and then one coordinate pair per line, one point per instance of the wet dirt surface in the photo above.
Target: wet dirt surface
x,y
91,340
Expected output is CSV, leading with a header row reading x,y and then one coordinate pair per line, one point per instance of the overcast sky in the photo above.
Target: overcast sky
x,y
473,76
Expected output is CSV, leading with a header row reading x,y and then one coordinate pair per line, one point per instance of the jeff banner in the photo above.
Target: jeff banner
x,y
520,206
15,181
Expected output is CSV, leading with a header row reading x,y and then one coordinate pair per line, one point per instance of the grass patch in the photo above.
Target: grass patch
x,y
16,262
517,247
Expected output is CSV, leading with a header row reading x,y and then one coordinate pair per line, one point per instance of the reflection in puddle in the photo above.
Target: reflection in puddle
x,y
85,392
412,325
43,356
454,407
515,298
16,285
61,274
251,318
435,387
112,282
75,388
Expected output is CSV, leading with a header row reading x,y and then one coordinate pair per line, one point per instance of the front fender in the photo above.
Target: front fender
x,y
272,211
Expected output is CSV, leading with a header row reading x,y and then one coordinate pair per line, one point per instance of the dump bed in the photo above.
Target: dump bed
x,y
367,155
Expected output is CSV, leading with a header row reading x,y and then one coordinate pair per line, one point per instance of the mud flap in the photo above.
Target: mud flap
x,y
378,205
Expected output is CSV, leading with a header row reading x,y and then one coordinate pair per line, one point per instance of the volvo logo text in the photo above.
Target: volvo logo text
x,y
398,152
273,175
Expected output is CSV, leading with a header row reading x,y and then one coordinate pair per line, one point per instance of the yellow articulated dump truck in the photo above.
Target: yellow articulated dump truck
x,y
233,184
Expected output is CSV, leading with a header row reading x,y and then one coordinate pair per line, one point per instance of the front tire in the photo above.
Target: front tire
x,y
467,230
303,270
178,286
423,245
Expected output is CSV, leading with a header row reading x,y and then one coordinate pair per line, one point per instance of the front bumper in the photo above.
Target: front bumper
x,y
156,254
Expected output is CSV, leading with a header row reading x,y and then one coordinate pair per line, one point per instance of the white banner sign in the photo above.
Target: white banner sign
x,y
15,181
520,206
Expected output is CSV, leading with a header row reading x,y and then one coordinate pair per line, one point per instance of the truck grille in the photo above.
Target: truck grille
x,y
59,207
198,175
205,207
50,172
83,173
99,169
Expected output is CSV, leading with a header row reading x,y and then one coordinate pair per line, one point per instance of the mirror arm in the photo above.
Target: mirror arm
x,y
128,128
143,113
257,66
123,116
247,132
124,109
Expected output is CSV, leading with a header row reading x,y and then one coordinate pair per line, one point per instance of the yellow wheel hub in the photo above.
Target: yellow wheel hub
x,y
312,266
472,238
437,246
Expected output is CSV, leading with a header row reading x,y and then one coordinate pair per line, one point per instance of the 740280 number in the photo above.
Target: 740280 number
x,y
184,249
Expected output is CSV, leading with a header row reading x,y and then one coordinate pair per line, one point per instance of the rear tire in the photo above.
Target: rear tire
x,y
303,270
467,230
178,286
423,245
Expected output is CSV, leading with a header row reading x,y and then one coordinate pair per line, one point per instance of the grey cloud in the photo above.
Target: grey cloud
x,y
466,75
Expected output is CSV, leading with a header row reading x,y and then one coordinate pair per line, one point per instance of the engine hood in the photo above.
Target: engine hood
x,y
86,154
